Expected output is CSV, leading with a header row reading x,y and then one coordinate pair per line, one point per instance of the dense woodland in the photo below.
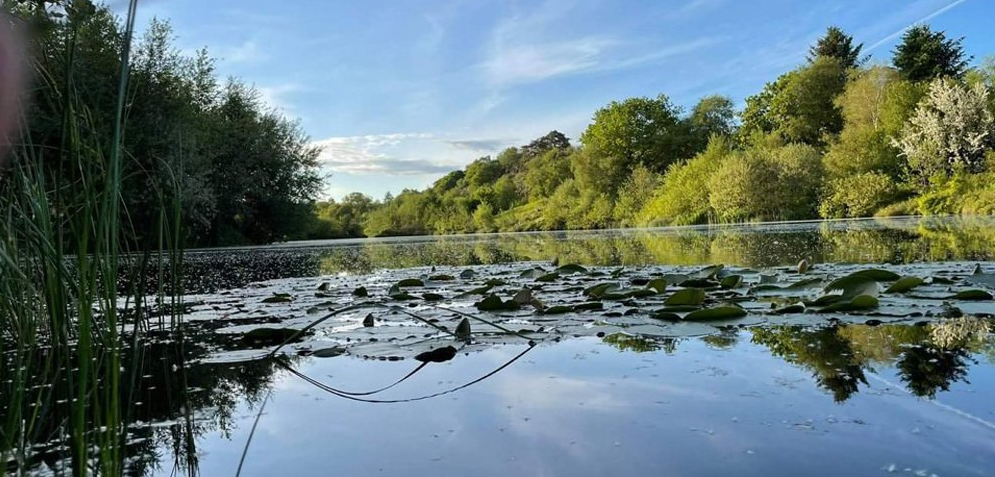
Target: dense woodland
x,y
239,171
836,137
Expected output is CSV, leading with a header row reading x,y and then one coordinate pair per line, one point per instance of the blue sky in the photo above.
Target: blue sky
x,y
399,92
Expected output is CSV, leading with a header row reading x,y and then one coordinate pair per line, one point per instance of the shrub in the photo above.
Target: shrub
x,y
858,195
779,183
682,198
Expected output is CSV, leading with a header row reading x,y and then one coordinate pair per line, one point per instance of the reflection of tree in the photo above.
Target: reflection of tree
x,y
884,343
640,344
725,339
168,407
927,369
821,350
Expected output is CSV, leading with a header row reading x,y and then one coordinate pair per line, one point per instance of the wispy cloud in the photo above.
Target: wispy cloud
x,y
479,145
277,96
370,154
924,19
523,63
246,52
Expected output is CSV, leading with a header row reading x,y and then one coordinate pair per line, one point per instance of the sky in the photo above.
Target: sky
x,y
397,93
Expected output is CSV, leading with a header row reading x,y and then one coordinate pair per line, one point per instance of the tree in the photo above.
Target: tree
x,y
552,140
682,199
805,111
712,115
924,55
838,45
951,130
635,131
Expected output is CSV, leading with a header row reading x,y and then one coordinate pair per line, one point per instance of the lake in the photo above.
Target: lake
x,y
622,352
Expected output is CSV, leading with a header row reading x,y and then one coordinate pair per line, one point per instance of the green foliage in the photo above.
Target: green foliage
x,y
683,198
633,195
963,193
857,195
925,55
837,45
544,173
635,131
712,115
805,110
553,140
747,186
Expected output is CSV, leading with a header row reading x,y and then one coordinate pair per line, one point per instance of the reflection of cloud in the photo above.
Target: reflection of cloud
x,y
368,155
479,145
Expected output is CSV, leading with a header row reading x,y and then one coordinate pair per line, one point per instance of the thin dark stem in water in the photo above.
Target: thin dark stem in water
x,y
252,432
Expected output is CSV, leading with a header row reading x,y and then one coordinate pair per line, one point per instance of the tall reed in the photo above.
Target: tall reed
x,y
65,324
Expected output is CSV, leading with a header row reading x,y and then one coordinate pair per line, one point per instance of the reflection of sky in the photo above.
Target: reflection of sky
x,y
582,408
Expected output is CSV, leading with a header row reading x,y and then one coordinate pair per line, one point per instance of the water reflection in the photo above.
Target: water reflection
x,y
180,407
861,241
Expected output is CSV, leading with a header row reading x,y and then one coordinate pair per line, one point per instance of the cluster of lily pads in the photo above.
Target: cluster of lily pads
x,y
415,313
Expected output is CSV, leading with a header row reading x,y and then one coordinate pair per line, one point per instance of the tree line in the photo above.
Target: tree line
x,y
836,137
204,148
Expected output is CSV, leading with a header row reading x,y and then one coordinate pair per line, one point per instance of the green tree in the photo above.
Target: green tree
x,y
924,55
635,131
712,115
838,45
552,140
805,110
682,198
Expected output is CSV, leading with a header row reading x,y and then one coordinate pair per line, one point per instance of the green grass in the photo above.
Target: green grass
x,y
65,326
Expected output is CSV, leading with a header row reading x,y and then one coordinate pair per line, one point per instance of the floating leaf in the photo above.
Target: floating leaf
x,y
432,297
532,273
403,296
699,283
640,293
716,313
708,272
589,306
904,284
495,282
982,279
478,291
329,352
360,292
940,280
666,316
854,285
731,281
677,309
270,336
571,269
439,355
495,303
689,296
467,274
442,278
368,321
410,282
324,287
858,303
597,291
672,278
463,329
803,266
657,284
806,283
278,298
524,296
549,277
558,310
971,295
977,269
877,275
794,308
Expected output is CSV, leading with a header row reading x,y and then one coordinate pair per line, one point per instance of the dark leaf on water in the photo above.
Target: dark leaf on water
x,y
731,281
360,292
463,329
971,295
467,274
324,286
599,290
432,297
709,272
270,336
368,321
690,296
442,278
329,352
439,355
410,282
877,275
549,277
572,268
495,303
904,284
589,306
657,284
716,313
858,303
558,310
699,283
278,298
794,308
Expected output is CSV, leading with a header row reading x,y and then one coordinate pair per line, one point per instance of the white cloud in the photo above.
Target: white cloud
x,y
377,154
276,96
523,63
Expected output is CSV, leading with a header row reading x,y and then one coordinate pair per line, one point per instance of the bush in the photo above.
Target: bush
x,y
682,199
858,195
962,193
779,183
634,194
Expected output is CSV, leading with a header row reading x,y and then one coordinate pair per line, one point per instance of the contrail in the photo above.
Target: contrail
x,y
946,407
921,20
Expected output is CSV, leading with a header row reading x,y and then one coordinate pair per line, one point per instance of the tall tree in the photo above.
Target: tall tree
x,y
712,115
924,55
552,140
837,44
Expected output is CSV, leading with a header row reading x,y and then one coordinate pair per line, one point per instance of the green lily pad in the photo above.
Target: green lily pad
x,y
463,329
442,278
589,306
794,308
278,298
572,268
467,274
495,303
971,295
410,282
688,296
709,272
904,284
599,290
658,285
877,275
360,292
558,310
858,303
731,281
716,313
549,277
368,321
432,297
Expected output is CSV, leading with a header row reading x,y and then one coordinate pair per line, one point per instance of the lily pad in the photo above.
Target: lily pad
x,y
688,296
658,285
410,282
904,284
495,303
731,281
971,295
438,355
278,298
570,269
716,313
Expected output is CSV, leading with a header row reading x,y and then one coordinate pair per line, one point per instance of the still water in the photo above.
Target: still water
x,y
759,397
